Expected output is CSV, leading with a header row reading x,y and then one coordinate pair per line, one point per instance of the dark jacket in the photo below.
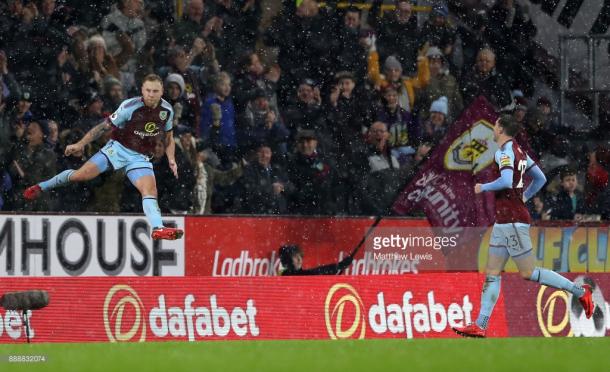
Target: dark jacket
x,y
396,38
74,196
493,86
330,269
561,206
305,44
245,88
258,196
312,177
38,165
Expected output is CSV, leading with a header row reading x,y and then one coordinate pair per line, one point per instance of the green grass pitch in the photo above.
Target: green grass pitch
x,y
512,354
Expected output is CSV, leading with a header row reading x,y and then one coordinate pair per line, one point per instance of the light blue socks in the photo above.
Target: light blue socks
x,y
60,179
552,279
152,211
489,297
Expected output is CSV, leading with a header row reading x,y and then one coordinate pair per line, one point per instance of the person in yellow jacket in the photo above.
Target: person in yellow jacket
x,y
405,86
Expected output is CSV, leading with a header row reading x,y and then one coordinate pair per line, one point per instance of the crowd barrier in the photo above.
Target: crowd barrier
x,y
143,309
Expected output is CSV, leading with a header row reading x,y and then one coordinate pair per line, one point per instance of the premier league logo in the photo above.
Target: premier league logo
x,y
163,115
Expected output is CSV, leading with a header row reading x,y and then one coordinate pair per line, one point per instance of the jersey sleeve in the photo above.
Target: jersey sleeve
x,y
530,162
169,124
121,115
505,159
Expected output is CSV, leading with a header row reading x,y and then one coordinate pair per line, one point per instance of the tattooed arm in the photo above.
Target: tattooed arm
x,y
95,133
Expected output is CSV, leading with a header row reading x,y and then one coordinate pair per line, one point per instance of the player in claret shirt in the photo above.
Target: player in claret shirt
x,y
135,126
510,235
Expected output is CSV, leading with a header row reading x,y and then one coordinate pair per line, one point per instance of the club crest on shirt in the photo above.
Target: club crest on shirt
x,y
163,115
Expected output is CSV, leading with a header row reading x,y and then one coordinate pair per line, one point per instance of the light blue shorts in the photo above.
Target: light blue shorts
x,y
122,157
510,239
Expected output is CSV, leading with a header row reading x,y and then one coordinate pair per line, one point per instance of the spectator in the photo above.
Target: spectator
x,y
188,146
261,124
198,22
436,126
537,209
237,29
521,109
122,29
349,112
91,104
107,189
74,197
217,125
22,56
291,258
384,177
557,158
101,65
544,105
90,14
510,33
437,31
406,87
351,52
404,132
442,83
265,185
311,173
380,155
11,88
596,178
6,156
568,203
6,131
33,162
303,35
486,81
175,195
184,116
537,134
196,78
603,199
397,33
53,139
21,112
250,77
305,111
113,94
65,80
473,14
207,178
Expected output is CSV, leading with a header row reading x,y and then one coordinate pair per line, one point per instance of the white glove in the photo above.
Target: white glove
x,y
371,43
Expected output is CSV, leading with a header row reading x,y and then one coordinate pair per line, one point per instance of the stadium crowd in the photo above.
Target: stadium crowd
x,y
323,111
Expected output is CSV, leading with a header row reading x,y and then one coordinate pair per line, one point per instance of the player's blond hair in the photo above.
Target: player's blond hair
x,y
152,77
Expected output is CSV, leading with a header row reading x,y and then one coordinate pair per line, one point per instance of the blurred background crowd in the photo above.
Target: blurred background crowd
x,y
319,110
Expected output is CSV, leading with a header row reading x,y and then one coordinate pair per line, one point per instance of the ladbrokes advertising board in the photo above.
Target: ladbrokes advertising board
x,y
248,246
195,309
